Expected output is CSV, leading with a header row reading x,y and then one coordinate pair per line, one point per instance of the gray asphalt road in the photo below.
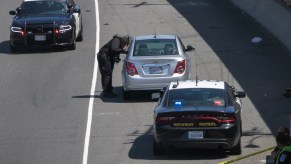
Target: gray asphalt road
x,y
44,98
221,34
44,95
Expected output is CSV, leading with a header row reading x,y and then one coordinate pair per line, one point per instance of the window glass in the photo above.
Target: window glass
x,y
196,97
230,96
182,45
71,2
43,8
155,47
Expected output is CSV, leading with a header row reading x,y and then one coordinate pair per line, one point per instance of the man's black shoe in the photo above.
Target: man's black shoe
x,y
109,94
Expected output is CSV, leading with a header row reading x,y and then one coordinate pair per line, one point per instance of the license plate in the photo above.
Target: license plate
x,y
156,70
40,37
195,135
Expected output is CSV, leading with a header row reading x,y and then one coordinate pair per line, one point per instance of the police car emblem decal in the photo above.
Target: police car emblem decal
x,y
283,157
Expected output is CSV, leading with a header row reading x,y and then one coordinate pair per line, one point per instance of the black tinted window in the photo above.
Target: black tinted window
x,y
43,8
230,96
196,97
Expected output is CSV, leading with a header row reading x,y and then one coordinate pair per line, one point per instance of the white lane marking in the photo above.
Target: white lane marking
x,y
108,113
93,85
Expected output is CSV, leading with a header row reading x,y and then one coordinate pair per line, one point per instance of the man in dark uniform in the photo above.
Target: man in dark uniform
x,y
282,153
107,56
284,156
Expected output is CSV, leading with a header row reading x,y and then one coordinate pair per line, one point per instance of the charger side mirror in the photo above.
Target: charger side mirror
x,y
240,94
12,12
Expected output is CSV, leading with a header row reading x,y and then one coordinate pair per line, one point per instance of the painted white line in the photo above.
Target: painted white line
x,y
92,92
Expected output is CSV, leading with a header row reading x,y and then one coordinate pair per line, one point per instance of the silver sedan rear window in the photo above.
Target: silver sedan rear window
x,y
155,47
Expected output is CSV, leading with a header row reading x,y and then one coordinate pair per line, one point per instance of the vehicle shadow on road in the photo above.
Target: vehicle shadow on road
x,y
136,97
5,49
142,148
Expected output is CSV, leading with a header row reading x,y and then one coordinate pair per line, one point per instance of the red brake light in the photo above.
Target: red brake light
x,y
165,119
57,31
131,69
226,119
180,67
218,103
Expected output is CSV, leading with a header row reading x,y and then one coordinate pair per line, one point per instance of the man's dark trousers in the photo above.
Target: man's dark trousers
x,y
106,66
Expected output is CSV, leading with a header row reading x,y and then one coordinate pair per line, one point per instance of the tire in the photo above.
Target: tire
x,y
237,150
73,45
156,150
14,49
127,94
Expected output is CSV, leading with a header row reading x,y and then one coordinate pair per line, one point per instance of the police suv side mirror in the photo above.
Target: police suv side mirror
x,y
189,48
15,12
239,94
12,12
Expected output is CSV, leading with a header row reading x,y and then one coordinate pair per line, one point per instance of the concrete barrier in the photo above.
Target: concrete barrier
x,y
270,14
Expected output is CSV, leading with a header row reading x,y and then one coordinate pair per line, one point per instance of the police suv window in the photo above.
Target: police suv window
x,y
230,96
165,99
71,2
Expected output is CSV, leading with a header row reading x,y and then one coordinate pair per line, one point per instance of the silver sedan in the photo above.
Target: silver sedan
x,y
153,61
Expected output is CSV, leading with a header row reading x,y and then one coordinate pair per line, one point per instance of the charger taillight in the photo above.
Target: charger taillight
x,y
226,118
180,67
165,119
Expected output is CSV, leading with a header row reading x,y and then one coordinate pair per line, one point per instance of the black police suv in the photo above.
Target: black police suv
x,y
46,23
198,114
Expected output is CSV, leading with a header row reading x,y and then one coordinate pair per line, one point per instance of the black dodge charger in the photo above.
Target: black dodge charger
x,y
46,23
198,114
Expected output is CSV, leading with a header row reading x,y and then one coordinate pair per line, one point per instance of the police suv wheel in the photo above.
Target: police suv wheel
x,y
14,49
237,149
73,45
156,149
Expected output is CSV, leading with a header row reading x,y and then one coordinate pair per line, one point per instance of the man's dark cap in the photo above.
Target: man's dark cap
x,y
125,39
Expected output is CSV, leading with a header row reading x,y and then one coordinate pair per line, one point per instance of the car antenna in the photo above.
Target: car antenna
x,y
176,85
196,72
